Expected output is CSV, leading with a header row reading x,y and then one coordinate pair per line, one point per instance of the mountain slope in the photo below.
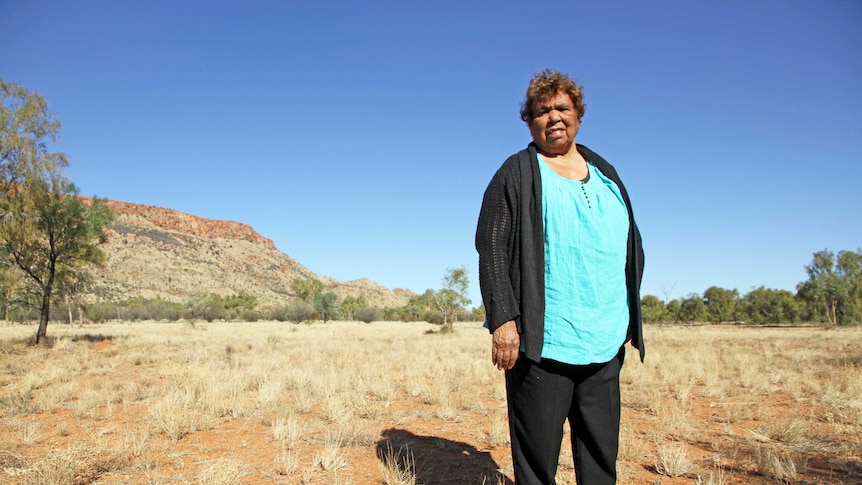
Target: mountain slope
x,y
156,252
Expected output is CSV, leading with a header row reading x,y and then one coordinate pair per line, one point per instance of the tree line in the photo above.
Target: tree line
x,y
832,295
310,302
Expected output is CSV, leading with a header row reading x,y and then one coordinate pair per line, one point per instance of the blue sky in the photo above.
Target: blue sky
x,y
360,136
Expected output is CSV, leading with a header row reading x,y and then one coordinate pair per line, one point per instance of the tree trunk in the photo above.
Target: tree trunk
x,y
834,310
43,316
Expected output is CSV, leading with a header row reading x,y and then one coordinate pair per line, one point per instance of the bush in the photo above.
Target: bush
x,y
279,313
22,314
298,312
206,307
101,312
367,314
156,309
248,315
433,316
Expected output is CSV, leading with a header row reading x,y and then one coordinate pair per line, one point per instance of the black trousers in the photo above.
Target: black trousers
x,y
541,396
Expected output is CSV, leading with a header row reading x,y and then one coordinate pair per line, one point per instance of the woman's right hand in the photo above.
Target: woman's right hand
x,y
506,345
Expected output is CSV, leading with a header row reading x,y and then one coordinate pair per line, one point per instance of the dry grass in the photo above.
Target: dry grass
x,y
397,469
387,403
673,460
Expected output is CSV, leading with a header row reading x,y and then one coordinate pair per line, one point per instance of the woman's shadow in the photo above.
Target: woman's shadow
x,y
439,461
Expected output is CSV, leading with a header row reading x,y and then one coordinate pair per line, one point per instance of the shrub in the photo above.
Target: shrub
x,y
206,307
279,313
101,312
433,316
248,315
367,314
298,312
156,309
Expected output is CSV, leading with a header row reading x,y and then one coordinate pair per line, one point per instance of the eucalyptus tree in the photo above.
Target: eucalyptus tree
x,y
51,235
652,309
326,305
692,308
306,289
721,303
46,231
350,304
764,305
27,127
452,298
834,286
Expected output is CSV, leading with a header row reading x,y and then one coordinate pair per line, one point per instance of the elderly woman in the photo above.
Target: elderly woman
x,y
560,263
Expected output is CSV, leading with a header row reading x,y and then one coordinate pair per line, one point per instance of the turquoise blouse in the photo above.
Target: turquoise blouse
x,y
586,304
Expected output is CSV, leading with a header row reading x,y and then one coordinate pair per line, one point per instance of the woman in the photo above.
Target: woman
x,y
560,264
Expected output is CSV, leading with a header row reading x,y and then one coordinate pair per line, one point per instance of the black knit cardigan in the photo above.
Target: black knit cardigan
x,y
510,242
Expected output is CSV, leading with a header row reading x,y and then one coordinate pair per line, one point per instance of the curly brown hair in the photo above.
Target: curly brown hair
x,y
547,83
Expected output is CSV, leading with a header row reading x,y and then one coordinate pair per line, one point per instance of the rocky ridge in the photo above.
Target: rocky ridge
x,y
154,252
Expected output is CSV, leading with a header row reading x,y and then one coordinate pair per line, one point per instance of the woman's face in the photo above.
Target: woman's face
x,y
555,124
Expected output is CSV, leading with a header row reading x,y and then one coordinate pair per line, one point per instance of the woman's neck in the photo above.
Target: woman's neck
x,y
571,165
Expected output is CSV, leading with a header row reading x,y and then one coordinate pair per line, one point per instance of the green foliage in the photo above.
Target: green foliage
x,y
101,312
240,301
326,305
22,314
279,313
452,298
720,303
159,310
349,305
306,289
208,307
434,316
248,315
298,312
672,310
10,286
26,129
367,314
652,309
51,235
478,314
417,306
833,291
46,230
392,314
692,309
765,305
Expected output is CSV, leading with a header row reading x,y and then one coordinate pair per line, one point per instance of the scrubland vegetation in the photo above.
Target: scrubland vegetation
x,y
390,403
831,294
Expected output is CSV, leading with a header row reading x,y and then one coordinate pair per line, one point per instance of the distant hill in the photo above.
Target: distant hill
x,y
156,252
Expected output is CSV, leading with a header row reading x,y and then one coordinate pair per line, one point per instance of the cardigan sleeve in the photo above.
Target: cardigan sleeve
x,y
495,235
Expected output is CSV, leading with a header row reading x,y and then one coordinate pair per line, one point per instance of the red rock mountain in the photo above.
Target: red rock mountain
x,y
156,252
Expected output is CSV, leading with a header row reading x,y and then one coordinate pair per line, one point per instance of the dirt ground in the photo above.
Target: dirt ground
x,y
85,411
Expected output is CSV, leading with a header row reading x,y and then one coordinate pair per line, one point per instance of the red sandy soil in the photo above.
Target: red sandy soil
x,y
445,451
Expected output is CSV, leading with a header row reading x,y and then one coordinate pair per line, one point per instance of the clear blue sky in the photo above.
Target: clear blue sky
x,y
360,136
